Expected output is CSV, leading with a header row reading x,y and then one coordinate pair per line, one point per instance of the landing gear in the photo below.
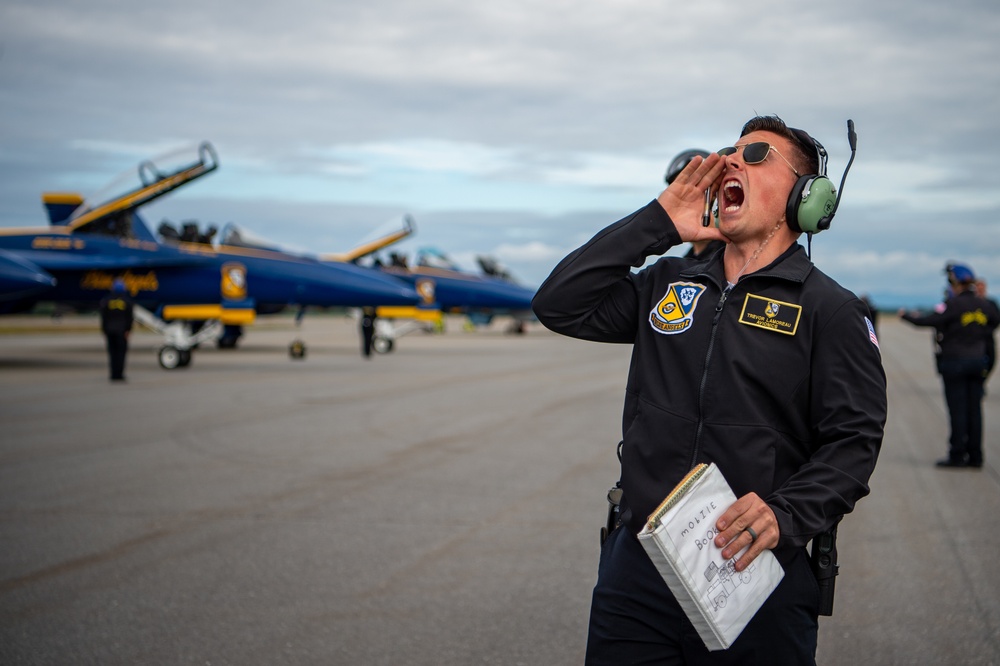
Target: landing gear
x,y
226,343
178,337
171,357
516,327
381,344
388,330
230,337
297,350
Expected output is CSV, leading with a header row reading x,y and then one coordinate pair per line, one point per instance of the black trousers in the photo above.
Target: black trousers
x,y
367,335
634,619
963,392
117,348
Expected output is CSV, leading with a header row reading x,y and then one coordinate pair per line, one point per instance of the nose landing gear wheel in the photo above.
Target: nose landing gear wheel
x,y
382,345
170,357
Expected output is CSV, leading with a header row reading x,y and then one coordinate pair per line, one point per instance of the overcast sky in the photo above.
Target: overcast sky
x,y
515,129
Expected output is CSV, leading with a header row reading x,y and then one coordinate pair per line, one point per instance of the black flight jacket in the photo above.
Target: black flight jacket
x,y
778,380
963,326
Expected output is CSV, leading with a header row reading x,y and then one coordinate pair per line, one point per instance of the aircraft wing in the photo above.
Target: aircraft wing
x,y
20,278
365,249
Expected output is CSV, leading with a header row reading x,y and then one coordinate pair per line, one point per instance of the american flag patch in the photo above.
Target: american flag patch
x,y
871,332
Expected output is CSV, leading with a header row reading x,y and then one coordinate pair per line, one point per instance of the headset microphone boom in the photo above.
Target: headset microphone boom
x,y
852,139
813,200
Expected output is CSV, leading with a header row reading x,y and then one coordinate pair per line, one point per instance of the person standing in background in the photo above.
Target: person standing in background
x,y
367,330
964,326
116,323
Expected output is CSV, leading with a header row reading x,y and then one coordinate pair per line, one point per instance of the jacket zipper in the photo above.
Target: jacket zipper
x,y
704,375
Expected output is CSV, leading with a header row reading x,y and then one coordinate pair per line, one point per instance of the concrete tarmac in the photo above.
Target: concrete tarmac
x,y
437,505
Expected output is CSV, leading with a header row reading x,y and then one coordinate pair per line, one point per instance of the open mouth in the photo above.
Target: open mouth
x,y
732,196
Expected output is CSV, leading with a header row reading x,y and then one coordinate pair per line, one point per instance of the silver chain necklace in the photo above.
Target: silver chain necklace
x,y
758,251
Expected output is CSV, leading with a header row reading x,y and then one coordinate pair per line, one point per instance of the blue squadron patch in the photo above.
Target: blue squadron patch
x,y
675,311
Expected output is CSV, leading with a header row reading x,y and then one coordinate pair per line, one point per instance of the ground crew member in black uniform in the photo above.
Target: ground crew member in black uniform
x,y
752,359
116,323
367,330
964,326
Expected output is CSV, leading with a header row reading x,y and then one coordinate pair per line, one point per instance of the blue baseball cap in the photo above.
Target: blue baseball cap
x,y
118,285
960,273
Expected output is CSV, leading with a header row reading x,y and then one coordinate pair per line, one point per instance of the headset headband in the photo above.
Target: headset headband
x,y
810,144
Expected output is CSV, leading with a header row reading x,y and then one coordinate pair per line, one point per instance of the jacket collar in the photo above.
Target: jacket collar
x,y
793,265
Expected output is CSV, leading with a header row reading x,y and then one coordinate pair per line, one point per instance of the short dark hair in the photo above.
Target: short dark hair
x,y
805,157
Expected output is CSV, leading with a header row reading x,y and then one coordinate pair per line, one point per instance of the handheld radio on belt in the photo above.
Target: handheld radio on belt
x,y
614,504
823,559
614,512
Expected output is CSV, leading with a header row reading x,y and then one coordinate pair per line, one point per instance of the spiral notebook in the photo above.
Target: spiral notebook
x,y
678,537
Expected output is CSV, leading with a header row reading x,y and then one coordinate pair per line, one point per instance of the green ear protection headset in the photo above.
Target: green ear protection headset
x,y
813,200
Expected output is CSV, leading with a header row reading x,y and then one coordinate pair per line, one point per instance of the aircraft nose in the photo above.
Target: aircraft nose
x,y
512,296
366,286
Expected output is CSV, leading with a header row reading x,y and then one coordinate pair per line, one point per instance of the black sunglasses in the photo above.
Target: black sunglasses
x,y
756,152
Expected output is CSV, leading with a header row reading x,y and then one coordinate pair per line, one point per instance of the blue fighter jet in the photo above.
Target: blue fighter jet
x,y
91,243
439,280
444,287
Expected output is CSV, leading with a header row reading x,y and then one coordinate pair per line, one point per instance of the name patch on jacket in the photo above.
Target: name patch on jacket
x,y
675,311
773,315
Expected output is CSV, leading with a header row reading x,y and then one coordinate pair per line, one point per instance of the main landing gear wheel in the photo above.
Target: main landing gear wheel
x,y
297,349
171,357
382,345
516,328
